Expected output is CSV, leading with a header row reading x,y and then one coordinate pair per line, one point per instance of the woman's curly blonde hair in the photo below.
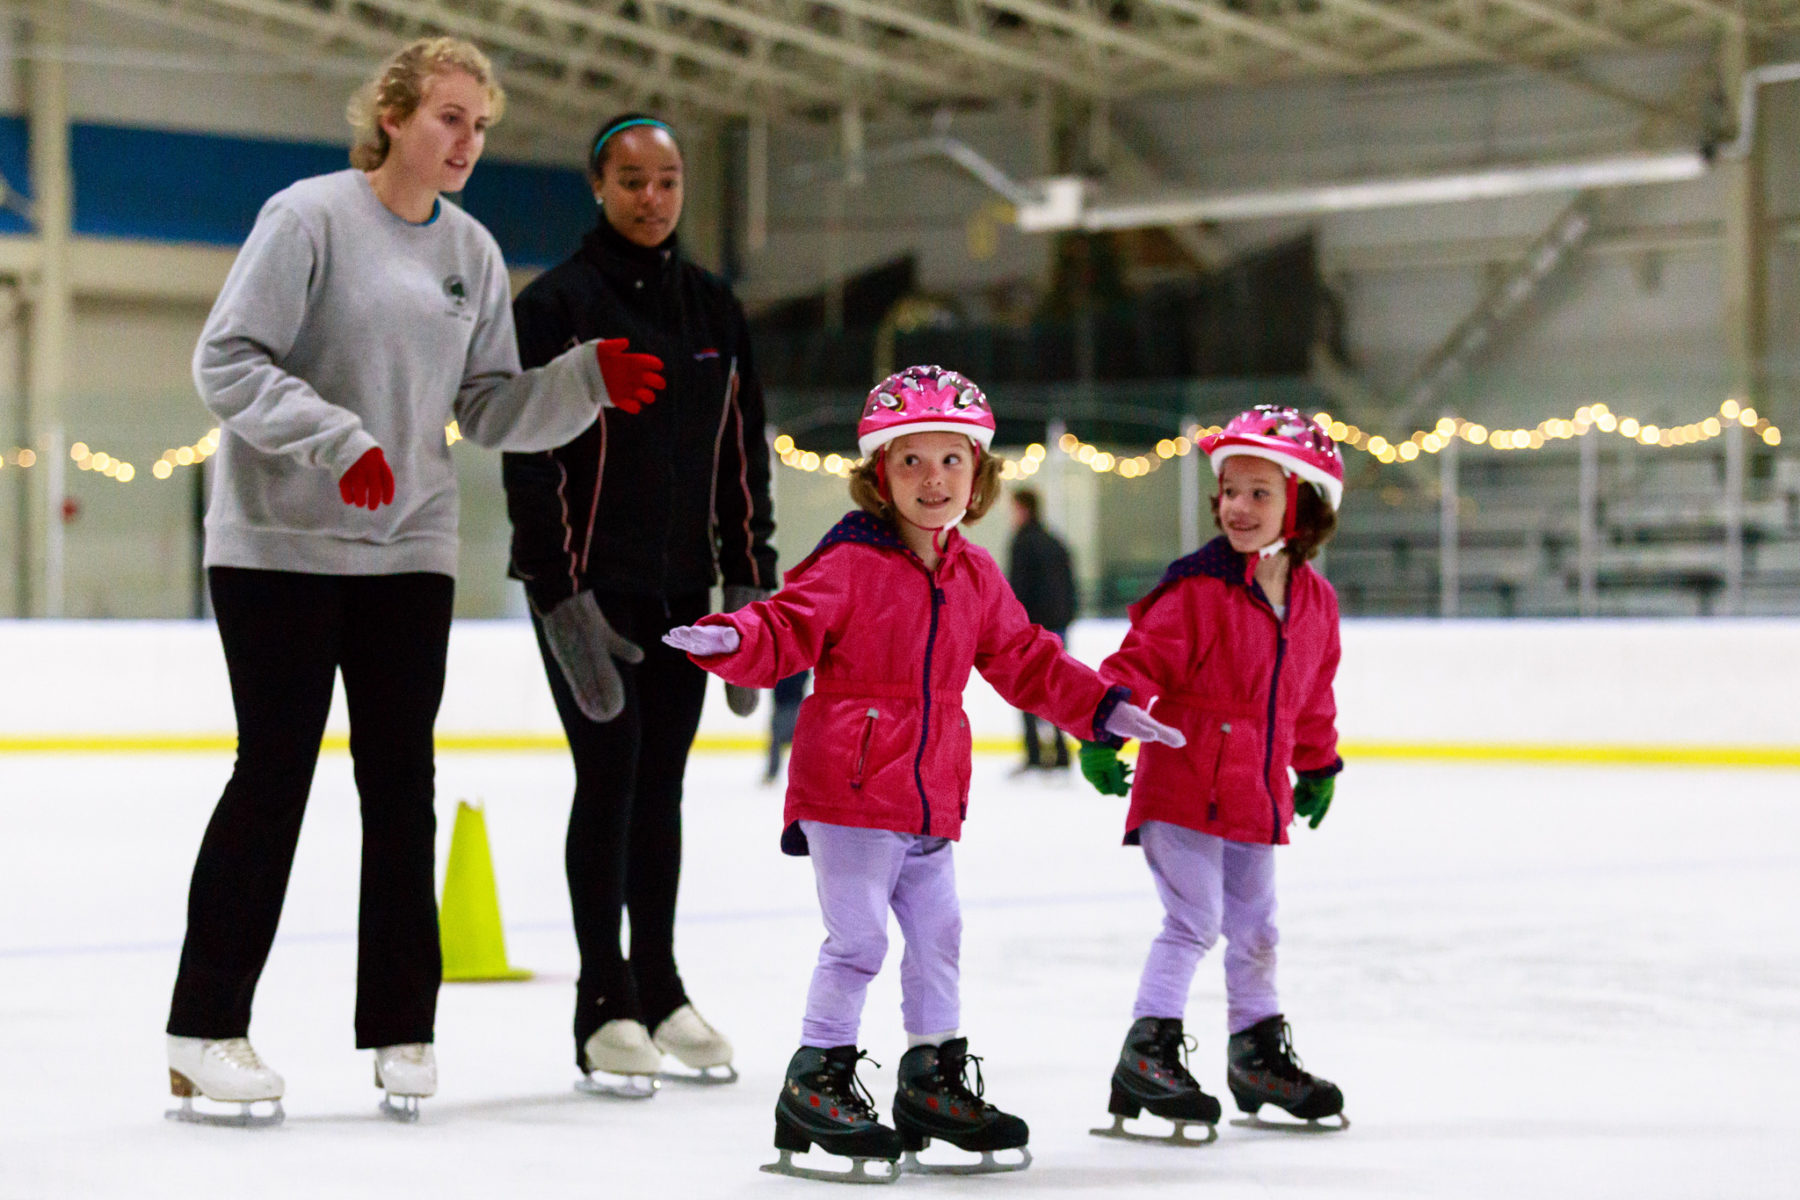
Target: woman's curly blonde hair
x,y
399,86
865,488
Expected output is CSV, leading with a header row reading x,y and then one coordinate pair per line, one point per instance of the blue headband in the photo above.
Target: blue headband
x,y
599,142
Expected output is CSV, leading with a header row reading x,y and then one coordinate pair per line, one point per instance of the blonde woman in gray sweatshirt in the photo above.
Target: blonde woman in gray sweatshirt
x,y
362,315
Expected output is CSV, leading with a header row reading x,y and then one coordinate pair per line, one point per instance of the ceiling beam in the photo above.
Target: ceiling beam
x,y
1210,12
970,42
682,46
1468,46
637,79
1593,32
378,44
1103,33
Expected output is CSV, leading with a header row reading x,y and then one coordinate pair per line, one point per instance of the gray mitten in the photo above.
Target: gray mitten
x,y
742,700
584,646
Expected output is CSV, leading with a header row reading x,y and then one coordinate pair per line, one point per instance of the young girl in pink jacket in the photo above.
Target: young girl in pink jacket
x,y
891,611
1237,648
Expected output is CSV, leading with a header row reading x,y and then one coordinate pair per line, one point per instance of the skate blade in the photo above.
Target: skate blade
x,y
989,1165
1318,1125
859,1171
1177,1136
618,1087
702,1077
245,1118
404,1109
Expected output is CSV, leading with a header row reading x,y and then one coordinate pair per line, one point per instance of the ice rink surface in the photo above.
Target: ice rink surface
x,y
1530,982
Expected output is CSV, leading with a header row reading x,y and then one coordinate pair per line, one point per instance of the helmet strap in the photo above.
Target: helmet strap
x,y
1290,524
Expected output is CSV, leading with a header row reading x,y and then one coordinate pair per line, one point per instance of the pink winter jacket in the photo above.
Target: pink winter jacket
x,y
882,742
1252,694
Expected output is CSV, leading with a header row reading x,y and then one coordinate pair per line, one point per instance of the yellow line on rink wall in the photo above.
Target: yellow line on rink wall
x,y
1574,754
1523,753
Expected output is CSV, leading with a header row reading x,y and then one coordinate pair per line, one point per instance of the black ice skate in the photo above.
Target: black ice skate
x,y
1263,1069
934,1101
1152,1073
823,1103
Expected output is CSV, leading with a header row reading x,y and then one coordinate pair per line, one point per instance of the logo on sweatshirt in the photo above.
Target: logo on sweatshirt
x,y
456,291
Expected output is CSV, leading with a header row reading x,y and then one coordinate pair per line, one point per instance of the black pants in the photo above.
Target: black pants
x,y
624,849
286,637
1034,752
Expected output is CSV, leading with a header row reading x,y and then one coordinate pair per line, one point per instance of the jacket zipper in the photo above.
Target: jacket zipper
x,y
1269,733
937,599
862,753
1212,809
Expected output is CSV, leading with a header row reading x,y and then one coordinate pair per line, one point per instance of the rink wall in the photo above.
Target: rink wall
x,y
1705,692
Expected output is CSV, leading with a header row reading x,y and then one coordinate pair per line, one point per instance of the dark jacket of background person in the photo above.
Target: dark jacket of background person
x,y
1038,569
664,501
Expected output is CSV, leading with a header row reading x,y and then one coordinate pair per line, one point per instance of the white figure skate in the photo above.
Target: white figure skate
x,y
685,1034
407,1074
620,1060
227,1071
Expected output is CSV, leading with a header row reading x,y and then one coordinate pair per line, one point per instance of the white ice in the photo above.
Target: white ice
x,y
1528,981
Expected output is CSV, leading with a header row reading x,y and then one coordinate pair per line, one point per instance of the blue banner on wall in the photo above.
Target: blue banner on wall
x,y
167,186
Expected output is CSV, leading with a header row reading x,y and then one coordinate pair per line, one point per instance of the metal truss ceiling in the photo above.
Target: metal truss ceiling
x,y
564,59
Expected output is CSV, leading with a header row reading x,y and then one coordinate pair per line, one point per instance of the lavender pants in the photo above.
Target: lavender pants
x,y
1210,886
862,873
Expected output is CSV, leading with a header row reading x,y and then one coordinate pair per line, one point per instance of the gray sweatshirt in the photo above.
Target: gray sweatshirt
x,y
343,327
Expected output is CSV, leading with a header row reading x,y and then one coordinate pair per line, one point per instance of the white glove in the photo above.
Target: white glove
x,y
705,640
1130,721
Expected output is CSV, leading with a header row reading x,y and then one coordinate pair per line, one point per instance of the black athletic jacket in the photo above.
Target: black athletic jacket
x,y
1041,576
663,501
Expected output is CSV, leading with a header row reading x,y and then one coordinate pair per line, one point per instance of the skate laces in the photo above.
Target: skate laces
x,y
238,1052
841,1072
1283,1059
956,1082
1172,1047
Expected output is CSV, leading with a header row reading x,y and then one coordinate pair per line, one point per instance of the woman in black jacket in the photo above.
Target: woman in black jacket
x,y
618,537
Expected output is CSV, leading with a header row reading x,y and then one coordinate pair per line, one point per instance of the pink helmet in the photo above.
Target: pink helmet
x,y
923,400
1287,438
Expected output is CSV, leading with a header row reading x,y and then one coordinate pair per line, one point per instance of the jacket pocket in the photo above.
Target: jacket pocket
x,y
862,749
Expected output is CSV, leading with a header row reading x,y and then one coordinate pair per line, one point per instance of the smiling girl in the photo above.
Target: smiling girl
x,y
361,316
893,609
1237,647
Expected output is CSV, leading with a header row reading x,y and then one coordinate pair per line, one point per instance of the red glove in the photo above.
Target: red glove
x,y
632,380
368,483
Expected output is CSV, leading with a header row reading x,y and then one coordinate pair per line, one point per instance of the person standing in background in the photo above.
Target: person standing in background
x,y
618,537
789,692
1041,576
361,315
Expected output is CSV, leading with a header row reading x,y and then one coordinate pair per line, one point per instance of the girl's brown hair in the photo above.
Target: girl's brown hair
x,y
1314,523
397,89
865,488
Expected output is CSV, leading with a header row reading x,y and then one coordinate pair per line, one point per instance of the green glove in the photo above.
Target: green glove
x,y
1101,767
1311,798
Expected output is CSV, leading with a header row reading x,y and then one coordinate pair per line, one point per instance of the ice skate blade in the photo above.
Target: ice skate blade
x,y
618,1087
1296,1126
702,1076
989,1165
404,1109
245,1118
1175,1137
859,1171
